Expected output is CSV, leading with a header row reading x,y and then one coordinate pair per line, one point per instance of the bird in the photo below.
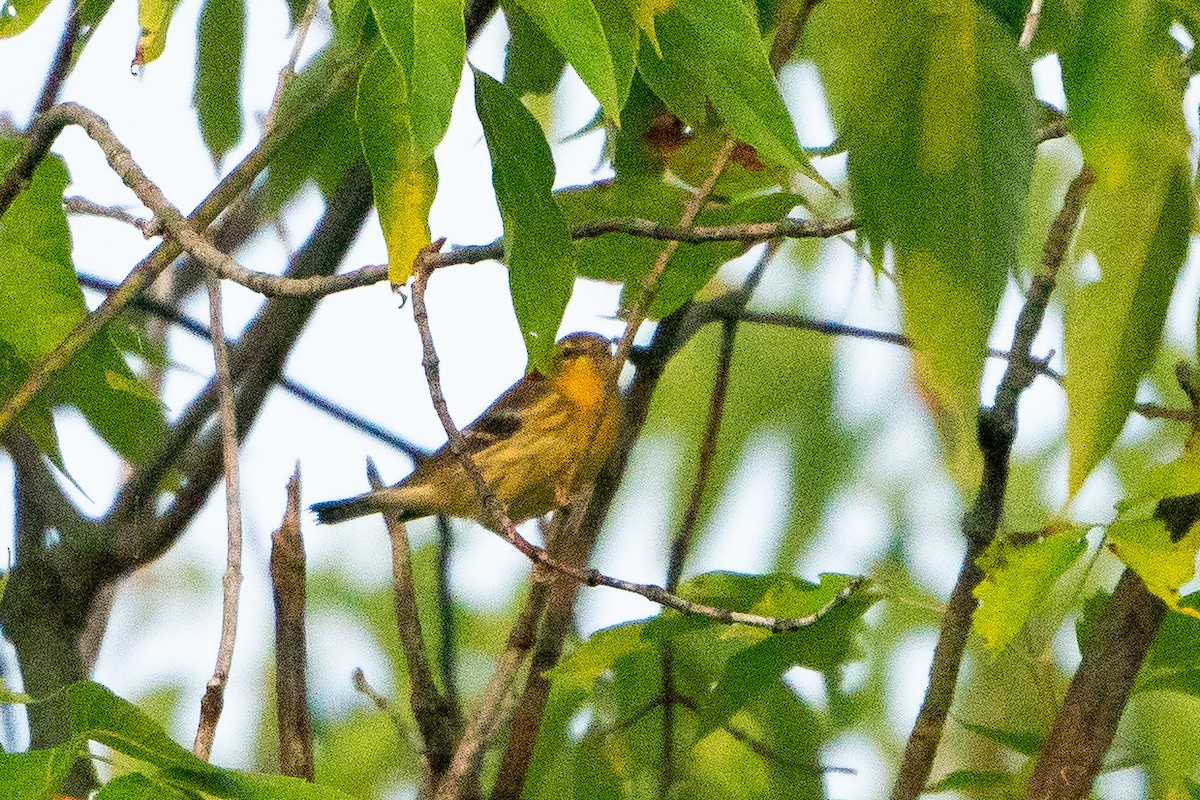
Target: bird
x,y
538,444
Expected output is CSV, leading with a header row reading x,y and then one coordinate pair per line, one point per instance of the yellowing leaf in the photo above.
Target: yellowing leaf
x,y
154,16
1017,576
404,184
1145,546
19,15
644,12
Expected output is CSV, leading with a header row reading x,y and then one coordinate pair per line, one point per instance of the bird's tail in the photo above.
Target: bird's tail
x,y
333,511
404,502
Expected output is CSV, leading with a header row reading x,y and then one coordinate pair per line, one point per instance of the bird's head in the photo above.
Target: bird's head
x,y
581,365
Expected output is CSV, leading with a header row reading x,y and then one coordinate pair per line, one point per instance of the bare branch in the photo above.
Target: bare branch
x,y
1031,23
1083,730
445,602
82,205
289,70
214,695
436,719
746,233
60,67
291,682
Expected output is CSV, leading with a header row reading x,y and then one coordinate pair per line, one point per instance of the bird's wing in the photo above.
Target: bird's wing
x,y
504,417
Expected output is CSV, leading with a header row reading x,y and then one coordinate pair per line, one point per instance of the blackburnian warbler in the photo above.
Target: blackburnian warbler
x,y
540,442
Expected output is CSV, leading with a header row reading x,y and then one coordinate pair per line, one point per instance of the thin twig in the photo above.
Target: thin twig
x,y
1031,24
137,534
60,67
82,205
733,307
289,70
291,682
682,542
446,627
214,695
746,233
997,430
435,718
649,289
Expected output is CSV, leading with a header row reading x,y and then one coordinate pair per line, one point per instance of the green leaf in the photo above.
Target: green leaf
x,y
154,16
122,409
537,244
19,15
349,19
37,774
99,715
96,713
599,653
1026,744
1017,576
325,145
936,108
427,40
404,182
1113,327
1176,646
621,31
763,659
1157,732
250,786
971,779
221,41
136,786
1124,81
574,27
41,304
712,49
532,64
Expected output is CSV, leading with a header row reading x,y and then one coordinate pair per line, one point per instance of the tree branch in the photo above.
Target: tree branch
x,y
997,430
291,682
60,67
214,696
279,286
495,704
1083,730
256,367
437,720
